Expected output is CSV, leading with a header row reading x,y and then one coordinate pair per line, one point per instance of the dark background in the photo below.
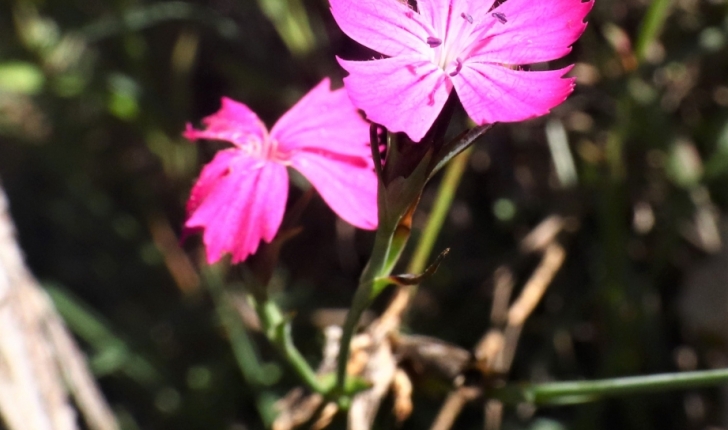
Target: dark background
x,y
94,96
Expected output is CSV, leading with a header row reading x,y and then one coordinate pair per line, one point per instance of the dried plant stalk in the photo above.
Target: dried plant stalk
x,y
453,405
40,365
537,285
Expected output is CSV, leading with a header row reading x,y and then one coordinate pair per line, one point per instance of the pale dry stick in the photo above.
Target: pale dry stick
x,y
491,343
326,416
544,233
454,405
39,363
22,405
79,380
296,408
41,352
489,350
379,370
493,414
402,390
511,335
536,286
501,296
178,263
33,306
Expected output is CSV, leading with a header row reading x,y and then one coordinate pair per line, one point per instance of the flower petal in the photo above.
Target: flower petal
x,y
323,120
241,205
347,184
386,26
491,93
533,31
209,177
234,123
404,93
435,13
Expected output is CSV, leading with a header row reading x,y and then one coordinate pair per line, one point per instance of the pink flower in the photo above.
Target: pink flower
x,y
460,44
241,194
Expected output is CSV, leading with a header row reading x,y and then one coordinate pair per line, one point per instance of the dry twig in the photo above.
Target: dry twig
x,y
453,405
40,365
536,286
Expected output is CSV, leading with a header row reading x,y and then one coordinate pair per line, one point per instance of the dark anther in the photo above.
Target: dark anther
x,y
500,17
467,17
434,42
458,67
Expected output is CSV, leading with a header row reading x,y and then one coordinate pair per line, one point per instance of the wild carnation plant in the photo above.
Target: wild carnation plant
x,y
429,55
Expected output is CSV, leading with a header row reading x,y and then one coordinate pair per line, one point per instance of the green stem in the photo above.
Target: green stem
x,y
585,391
387,248
443,201
291,21
376,268
651,26
278,331
276,328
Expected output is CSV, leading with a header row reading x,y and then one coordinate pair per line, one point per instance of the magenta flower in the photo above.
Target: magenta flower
x,y
461,44
241,194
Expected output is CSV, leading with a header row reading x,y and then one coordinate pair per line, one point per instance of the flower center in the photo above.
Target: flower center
x,y
275,154
265,149
448,51
451,50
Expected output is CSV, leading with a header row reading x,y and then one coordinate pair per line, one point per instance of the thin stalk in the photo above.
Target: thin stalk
x,y
276,328
387,251
651,26
556,393
278,331
443,201
376,268
394,224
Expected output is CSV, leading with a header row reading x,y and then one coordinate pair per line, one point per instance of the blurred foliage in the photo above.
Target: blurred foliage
x,y
94,96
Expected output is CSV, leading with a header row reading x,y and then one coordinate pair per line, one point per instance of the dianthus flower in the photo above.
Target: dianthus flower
x,y
468,45
241,194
